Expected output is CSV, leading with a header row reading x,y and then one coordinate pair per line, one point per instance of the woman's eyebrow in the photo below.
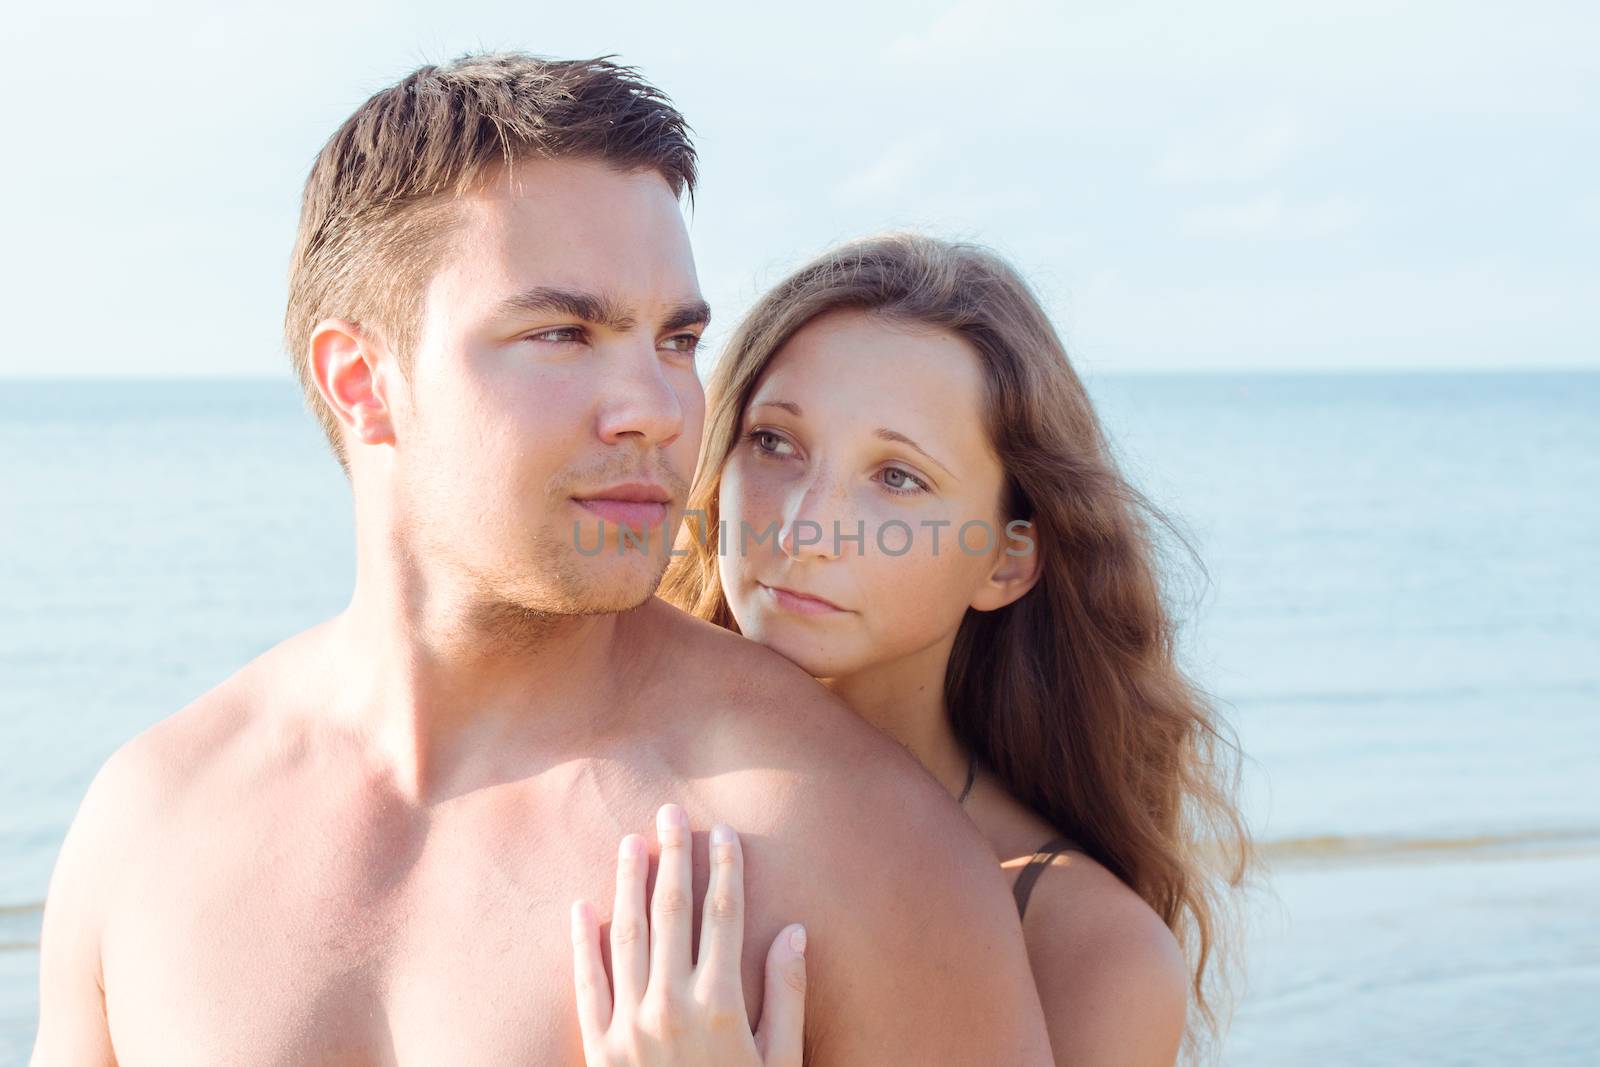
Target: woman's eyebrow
x,y
788,405
882,433
886,434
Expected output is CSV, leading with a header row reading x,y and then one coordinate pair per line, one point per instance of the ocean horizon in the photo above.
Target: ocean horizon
x,y
1399,614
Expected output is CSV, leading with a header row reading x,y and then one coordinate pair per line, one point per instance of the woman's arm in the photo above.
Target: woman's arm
x,y
1111,976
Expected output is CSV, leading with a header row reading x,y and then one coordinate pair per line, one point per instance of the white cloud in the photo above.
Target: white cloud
x,y
1479,314
1271,216
895,170
1425,57
1588,209
973,28
1236,152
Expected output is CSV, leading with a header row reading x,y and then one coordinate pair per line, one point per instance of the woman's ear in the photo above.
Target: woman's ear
x,y
1018,566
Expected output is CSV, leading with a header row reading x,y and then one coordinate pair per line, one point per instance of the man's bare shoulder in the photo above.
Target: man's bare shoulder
x,y
146,785
748,696
206,749
836,782
718,658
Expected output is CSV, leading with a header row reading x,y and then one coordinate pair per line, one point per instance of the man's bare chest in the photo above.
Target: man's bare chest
x,y
365,938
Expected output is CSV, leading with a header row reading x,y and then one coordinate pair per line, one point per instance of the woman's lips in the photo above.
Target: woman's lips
x,y
799,603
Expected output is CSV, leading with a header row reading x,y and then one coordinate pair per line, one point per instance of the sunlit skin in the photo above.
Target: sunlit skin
x,y
363,847
864,419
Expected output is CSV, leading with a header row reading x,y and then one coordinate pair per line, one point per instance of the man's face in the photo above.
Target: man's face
x,y
555,360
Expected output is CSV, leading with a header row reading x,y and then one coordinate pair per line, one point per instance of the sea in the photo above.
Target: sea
x,y
1393,598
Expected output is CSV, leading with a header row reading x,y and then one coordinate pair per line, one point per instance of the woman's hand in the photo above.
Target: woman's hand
x,y
666,1011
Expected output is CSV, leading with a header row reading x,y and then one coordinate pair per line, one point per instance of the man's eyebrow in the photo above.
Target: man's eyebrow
x,y
882,433
597,308
694,313
546,299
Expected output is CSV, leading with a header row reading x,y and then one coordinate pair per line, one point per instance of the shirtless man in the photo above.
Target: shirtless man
x,y
363,846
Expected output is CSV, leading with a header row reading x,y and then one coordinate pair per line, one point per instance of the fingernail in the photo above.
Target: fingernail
x,y
797,940
630,847
721,835
671,815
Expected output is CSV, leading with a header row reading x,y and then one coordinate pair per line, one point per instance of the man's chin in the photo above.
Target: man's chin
x,y
619,584
616,603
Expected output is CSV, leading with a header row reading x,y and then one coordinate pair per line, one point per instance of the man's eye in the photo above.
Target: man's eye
x,y
690,343
559,335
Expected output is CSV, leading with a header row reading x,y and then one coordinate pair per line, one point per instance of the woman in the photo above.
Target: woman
x,y
950,547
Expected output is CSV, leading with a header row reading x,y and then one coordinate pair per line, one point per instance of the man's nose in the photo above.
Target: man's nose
x,y
637,398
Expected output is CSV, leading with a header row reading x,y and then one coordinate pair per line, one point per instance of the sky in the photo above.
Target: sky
x,y
1221,187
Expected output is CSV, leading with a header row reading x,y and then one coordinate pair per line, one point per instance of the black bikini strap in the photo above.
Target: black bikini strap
x,y
1036,865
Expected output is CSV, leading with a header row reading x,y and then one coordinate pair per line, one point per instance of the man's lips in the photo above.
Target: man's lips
x,y
637,515
639,506
630,491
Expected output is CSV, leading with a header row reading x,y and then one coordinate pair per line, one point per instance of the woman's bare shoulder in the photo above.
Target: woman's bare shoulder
x,y
1111,975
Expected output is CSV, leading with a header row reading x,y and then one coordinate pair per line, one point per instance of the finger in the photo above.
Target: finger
x,y
589,975
630,946
671,917
722,921
780,1037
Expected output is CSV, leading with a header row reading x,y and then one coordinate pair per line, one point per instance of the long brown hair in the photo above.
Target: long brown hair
x,y
1071,695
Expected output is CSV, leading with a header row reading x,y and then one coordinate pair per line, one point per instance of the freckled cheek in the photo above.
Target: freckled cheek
x,y
732,509
750,495
909,597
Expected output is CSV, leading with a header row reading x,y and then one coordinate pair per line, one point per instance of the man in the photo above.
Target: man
x,y
362,847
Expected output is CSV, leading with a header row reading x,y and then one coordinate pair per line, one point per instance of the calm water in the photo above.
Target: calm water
x,y
1402,620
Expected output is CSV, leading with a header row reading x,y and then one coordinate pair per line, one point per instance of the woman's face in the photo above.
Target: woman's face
x,y
861,456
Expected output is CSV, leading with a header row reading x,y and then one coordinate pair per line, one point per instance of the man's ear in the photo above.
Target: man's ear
x,y
350,375
1017,568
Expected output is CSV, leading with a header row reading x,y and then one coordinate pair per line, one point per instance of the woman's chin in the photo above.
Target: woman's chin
x,y
816,658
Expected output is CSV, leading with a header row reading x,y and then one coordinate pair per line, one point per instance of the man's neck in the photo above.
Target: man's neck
x,y
443,684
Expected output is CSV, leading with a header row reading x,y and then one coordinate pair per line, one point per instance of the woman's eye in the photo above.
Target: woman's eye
x,y
766,441
903,481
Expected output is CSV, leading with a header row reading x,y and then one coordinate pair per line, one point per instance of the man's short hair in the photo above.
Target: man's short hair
x,y
379,203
